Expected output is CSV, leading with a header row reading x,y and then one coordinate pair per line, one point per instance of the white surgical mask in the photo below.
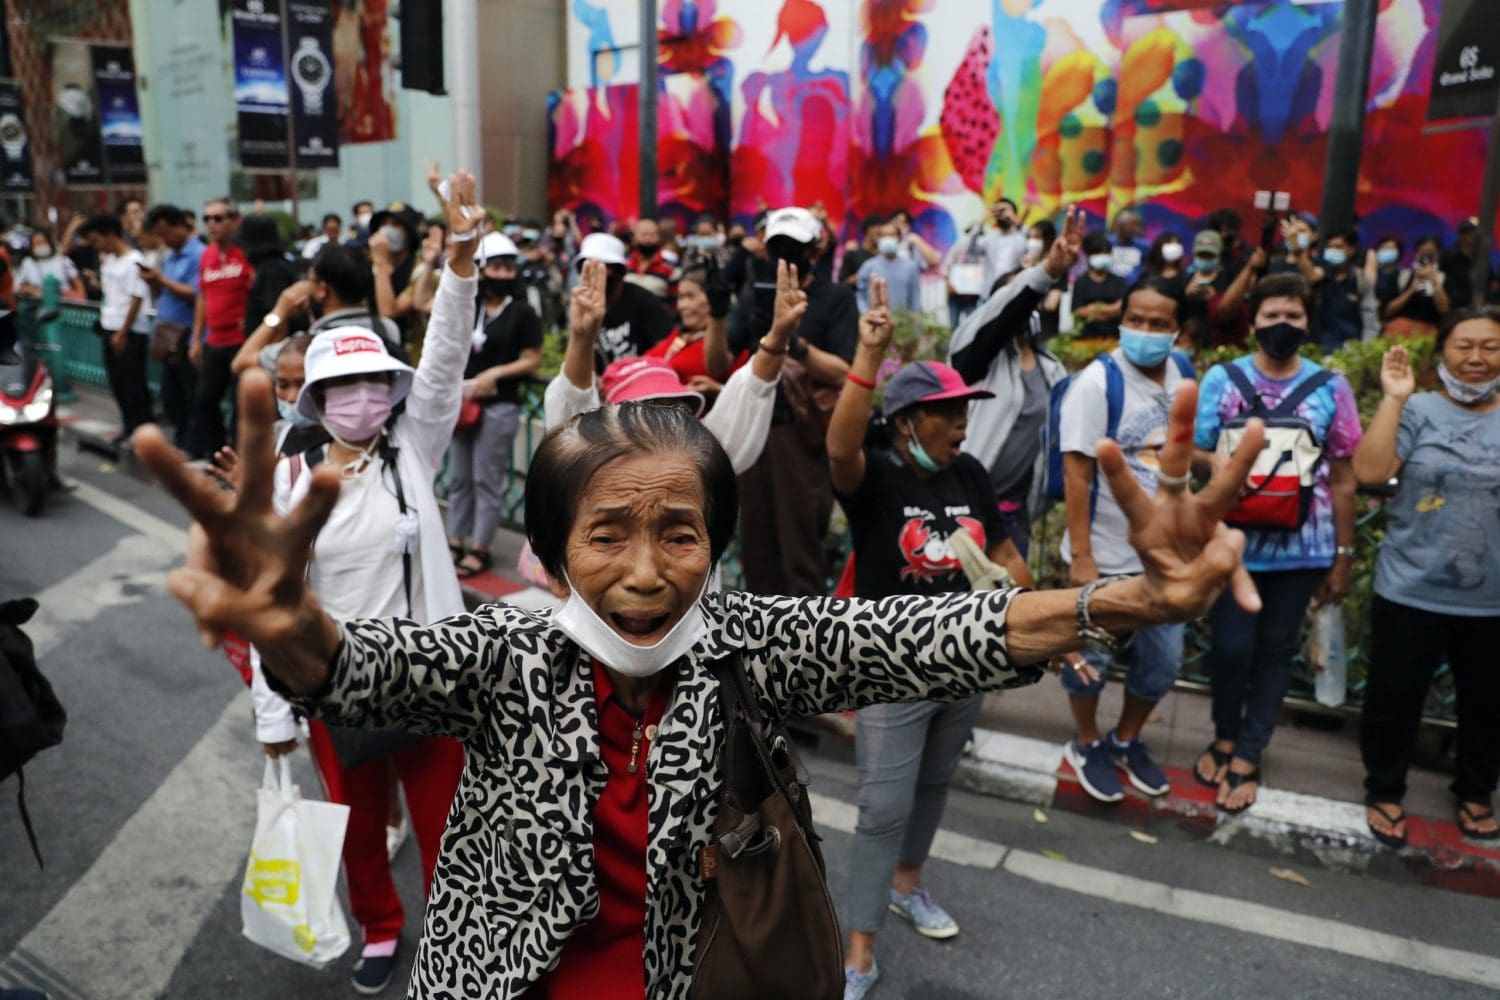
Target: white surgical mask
x,y
1100,261
888,245
395,237
583,625
362,220
1467,393
1034,247
42,253
1171,252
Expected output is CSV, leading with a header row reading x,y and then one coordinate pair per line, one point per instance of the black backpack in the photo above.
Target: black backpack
x,y
31,717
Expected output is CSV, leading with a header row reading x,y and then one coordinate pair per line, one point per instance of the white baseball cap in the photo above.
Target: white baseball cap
x,y
496,245
602,247
796,223
349,350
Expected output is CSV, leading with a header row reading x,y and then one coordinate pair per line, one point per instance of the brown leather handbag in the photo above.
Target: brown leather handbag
x,y
769,928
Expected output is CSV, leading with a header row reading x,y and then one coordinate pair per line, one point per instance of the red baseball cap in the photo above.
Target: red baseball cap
x,y
634,379
927,382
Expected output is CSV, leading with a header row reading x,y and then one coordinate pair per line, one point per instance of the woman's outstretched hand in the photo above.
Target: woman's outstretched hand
x,y
1188,555
246,565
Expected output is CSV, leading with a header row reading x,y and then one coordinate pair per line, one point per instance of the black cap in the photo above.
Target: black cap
x,y
401,214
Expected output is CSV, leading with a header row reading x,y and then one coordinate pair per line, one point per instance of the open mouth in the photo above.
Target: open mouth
x,y
636,626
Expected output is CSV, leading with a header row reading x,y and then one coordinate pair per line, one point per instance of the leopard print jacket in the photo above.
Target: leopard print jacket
x,y
516,873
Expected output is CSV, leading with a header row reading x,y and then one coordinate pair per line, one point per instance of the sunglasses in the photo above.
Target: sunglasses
x,y
218,218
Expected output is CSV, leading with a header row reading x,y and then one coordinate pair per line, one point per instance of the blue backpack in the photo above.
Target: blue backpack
x,y
1114,401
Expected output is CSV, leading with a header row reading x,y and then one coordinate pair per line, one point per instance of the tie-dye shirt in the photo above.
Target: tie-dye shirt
x,y
1334,418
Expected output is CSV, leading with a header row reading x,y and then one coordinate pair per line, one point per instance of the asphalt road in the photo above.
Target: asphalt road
x,y
146,810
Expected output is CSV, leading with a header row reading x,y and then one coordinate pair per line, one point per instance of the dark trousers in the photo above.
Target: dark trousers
x,y
127,379
786,499
179,380
1407,644
1250,659
215,381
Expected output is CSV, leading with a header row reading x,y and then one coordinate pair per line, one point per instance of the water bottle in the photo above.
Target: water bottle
x,y
1331,682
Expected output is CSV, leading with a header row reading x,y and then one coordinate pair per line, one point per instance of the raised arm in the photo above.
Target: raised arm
x,y
846,429
290,303
1375,461
586,310
717,357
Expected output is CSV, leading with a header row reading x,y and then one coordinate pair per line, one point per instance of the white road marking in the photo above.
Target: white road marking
x,y
123,928
132,516
1186,904
121,576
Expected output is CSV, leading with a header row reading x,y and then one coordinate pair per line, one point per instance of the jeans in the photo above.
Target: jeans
x,y
127,379
1405,649
1250,660
479,472
1151,661
215,381
906,756
179,381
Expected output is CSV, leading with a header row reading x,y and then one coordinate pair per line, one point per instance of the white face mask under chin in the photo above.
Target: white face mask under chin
x,y
583,625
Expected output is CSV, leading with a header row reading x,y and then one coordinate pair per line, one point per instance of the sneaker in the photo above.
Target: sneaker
x,y
1096,772
395,837
857,984
372,973
930,919
1133,759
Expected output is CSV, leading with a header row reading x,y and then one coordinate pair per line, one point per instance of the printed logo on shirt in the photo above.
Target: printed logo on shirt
x,y
355,345
927,552
224,272
614,342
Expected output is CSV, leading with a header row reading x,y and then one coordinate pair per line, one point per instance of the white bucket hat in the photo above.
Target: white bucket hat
x,y
349,350
494,246
601,247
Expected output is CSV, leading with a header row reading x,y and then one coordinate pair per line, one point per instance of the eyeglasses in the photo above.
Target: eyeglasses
x,y
218,218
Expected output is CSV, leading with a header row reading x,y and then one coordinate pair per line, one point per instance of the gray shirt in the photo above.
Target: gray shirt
x,y
1442,542
1012,470
902,279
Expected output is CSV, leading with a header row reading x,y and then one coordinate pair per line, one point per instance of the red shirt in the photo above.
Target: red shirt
x,y
688,360
224,278
605,959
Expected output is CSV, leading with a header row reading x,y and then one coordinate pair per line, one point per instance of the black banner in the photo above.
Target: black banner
x,y
15,142
260,84
76,113
315,111
1466,68
119,114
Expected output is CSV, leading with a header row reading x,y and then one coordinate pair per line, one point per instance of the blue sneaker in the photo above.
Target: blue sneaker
x,y
857,984
1096,772
930,919
1133,759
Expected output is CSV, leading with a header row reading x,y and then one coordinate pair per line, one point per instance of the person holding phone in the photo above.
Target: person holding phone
x,y
1421,301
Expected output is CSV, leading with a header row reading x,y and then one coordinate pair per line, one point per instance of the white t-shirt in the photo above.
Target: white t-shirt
x,y
356,567
120,280
1002,254
58,266
1142,432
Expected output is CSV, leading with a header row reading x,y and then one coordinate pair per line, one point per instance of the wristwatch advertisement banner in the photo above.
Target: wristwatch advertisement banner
x,y
75,113
315,106
261,100
120,114
15,142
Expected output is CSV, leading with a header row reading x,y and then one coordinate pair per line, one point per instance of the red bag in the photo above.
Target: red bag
x,y
470,413
237,652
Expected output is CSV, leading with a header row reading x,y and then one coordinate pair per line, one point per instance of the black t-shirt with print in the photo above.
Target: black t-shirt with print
x,y
632,326
1087,291
900,524
513,330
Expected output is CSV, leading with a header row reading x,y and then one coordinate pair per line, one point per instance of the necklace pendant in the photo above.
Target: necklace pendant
x,y
650,733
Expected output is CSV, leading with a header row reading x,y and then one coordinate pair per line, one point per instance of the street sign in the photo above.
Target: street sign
x,y
1466,68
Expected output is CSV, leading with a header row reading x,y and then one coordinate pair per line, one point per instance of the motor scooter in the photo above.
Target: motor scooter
x,y
28,422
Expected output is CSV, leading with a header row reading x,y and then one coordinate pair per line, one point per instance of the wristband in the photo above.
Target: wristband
x,y
775,352
863,383
471,235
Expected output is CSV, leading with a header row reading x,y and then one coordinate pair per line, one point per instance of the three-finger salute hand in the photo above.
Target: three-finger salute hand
x,y
586,306
791,300
1065,250
1187,553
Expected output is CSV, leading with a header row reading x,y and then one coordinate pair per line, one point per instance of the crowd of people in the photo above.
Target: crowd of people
x,y
401,342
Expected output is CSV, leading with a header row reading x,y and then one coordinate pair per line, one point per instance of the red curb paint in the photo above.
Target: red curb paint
x,y
493,585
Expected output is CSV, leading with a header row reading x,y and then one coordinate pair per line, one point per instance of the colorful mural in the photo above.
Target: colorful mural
x,y
942,106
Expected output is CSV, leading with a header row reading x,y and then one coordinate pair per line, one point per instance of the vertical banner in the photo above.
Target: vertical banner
x,y
76,113
260,85
15,143
315,106
362,71
120,114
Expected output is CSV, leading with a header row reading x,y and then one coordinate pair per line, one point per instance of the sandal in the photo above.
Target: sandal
x,y
1233,780
1394,840
456,552
1221,758
1476,812
474,562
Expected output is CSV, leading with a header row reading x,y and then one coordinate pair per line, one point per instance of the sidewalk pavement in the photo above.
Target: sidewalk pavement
x,y
1311,800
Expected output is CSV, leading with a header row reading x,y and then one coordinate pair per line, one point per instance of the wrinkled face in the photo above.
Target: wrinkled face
x,y
939,427
692,305
289,376
1150,311
1282,309
639,553
1472,350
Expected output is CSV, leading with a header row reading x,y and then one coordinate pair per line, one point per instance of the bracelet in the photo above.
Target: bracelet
x,y
863,383
775,352
1095,638
1345,550
470,236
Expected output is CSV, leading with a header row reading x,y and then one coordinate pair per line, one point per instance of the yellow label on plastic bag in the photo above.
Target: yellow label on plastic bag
x,y
305,938
273,881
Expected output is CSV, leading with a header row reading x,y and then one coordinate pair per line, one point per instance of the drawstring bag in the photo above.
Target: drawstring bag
x,y
290,901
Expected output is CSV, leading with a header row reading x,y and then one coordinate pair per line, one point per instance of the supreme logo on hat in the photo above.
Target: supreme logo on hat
x,y
354,345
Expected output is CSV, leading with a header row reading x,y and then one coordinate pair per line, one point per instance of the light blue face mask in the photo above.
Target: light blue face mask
x,y
1146,350
918,453
1335,257
288,411
1387,257
1100,261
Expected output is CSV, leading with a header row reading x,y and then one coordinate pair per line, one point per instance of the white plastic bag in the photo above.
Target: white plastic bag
x,y
290,901
1325,654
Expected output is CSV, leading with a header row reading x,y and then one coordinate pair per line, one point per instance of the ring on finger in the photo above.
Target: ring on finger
x,y
1172,484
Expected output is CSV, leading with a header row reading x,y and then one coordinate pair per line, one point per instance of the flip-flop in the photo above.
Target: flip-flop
x,y
1394,840
1476,812
1235,779
1221,758
485,559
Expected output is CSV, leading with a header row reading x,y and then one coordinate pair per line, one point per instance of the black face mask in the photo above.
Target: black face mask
x,y
647,249
613,282
795,254
1280,340
496,288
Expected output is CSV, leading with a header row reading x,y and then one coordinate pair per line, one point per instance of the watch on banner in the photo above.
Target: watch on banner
x,y
310,71
12,135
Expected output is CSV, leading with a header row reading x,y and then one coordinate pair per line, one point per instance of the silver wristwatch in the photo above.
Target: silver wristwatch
x,y
310,71
1095,639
